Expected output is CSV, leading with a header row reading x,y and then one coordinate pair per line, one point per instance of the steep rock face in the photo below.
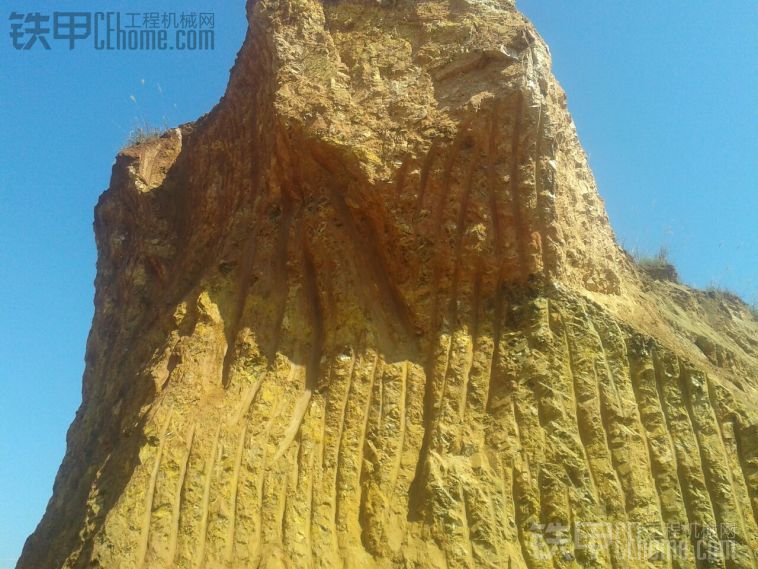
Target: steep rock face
x,y
369,312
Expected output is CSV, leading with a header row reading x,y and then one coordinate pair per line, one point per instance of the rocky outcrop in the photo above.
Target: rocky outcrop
x,y
369,312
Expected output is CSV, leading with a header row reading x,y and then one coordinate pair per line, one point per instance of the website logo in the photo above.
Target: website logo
x,y
113,31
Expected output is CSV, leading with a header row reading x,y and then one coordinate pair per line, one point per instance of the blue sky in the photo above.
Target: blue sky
x,y
664,96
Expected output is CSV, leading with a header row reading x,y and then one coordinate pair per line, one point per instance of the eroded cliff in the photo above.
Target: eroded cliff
x,y
369,312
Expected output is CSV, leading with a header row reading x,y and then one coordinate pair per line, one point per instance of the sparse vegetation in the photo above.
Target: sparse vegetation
x,y
721,291
658,266
143,132
660,259
661,268
718,291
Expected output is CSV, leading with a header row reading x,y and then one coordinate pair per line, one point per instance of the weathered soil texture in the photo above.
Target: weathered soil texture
x,y
369,313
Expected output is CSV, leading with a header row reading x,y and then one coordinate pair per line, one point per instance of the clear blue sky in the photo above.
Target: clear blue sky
x,y
664,96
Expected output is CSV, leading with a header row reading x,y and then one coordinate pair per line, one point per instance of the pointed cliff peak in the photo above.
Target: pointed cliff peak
x,y
443,115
